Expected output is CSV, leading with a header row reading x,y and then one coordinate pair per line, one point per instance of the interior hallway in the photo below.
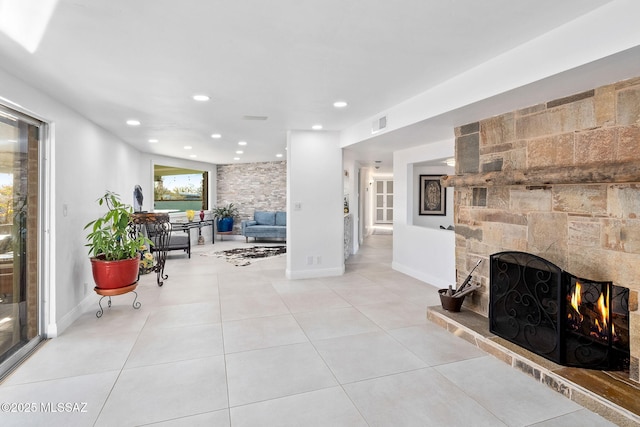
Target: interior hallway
x,y
220,345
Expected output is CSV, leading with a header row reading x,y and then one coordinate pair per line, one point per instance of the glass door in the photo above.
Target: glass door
x,y
20,306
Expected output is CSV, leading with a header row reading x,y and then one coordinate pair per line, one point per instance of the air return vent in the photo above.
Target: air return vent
x,y
379,124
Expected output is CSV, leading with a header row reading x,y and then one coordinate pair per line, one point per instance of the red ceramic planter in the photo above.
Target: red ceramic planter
x,y
115,274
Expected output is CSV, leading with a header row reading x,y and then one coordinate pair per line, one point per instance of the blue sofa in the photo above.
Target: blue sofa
x,y
265,225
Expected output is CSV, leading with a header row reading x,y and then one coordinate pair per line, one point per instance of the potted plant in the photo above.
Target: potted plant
x,y
224,216
113,247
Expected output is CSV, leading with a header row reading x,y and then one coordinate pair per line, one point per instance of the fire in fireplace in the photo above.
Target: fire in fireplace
x,y
597,323
564,318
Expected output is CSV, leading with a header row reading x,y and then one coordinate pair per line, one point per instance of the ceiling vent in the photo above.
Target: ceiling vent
x,y
254,117
379,124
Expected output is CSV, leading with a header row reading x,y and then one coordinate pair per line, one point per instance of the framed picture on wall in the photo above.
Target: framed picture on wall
x,y
432,196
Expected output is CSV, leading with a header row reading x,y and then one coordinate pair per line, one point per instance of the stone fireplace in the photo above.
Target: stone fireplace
x,y
559,180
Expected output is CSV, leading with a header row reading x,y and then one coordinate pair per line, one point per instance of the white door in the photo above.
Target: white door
x,y
384,201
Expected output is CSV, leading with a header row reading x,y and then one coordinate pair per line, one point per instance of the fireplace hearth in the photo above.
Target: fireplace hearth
x,y
567,319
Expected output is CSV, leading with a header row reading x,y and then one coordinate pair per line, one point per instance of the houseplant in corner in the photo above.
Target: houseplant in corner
x,y
114,250
224,216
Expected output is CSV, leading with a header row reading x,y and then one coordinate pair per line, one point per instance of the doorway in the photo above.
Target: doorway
x,y
20,300
383,201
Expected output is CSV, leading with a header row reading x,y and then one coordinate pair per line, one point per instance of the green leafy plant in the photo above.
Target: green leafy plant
x,y
110,238
226,211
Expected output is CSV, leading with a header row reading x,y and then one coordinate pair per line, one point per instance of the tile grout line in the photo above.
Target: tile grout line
x,y
329,368
224,350
104,404
572,387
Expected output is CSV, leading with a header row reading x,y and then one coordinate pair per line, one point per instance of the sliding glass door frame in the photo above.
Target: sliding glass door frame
x,y
45,298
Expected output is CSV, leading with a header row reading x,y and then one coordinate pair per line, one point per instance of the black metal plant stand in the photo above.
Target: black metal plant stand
x,y
158,229
108,293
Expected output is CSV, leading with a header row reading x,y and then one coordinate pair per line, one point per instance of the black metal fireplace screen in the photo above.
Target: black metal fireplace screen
x,y
566,319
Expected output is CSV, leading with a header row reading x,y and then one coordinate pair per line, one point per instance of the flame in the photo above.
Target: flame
x,y
576,299
604,311
597,314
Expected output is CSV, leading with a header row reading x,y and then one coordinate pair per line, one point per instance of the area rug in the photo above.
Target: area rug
x,y
244,256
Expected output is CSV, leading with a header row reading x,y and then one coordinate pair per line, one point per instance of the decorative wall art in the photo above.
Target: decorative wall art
x,y
432,196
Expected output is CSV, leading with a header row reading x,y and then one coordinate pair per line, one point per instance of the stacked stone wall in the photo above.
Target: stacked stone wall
x,y
591,229
251,187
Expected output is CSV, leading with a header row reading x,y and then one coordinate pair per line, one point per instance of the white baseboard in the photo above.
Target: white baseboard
x,y
421,275
54,329
315,273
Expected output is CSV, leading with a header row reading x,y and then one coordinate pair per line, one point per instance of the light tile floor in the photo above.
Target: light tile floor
x,y
220,345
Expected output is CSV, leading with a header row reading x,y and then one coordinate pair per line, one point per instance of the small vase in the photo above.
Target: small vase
x,y
202,215
190,215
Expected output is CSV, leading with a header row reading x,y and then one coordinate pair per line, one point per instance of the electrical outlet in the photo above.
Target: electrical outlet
x,y
318,260
309,260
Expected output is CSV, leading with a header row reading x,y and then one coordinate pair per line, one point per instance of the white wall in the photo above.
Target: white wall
x,y
567,47
366,198
315,219
426,253
432,221
85,161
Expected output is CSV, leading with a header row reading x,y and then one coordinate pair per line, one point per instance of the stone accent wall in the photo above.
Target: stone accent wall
x,y
589,228
251,187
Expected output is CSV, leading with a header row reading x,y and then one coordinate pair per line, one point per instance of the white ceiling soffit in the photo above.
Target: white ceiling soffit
x,y
268,67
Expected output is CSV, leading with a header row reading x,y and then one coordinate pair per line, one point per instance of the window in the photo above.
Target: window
x,y
179,188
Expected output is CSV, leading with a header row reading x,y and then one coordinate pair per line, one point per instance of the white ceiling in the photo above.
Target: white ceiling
x,y
288,60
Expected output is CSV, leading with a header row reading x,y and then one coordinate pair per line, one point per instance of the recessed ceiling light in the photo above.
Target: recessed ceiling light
x,y
239,152
133,122
192,155
201,98
188,147
153,141
242,142
316,127
236,158
279,155
340,104
216,136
